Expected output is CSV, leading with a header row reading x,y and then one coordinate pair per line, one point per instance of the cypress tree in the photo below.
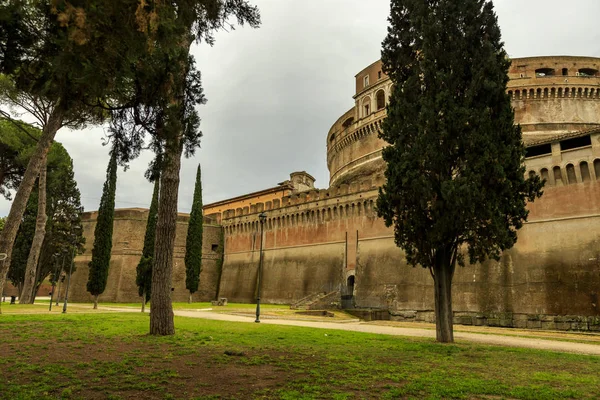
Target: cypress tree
x,y
144,269
193,244
455,173
103,232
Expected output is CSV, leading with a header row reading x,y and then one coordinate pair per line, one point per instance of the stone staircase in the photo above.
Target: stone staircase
x,y
318,301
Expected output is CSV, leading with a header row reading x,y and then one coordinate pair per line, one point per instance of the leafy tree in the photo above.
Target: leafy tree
x,y
455,173
67,56
26,295
143,278
15,150
193,244
2,219
173,27
103,232
63,229
220,261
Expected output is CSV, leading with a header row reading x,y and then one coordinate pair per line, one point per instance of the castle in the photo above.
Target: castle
x,y
330,241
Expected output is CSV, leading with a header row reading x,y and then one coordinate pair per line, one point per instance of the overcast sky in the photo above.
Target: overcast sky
x,y
274,92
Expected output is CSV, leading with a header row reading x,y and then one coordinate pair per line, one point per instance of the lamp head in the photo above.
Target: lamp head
x,y
262,217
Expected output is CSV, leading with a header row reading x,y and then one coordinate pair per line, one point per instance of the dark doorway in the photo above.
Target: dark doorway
x,y
348,298
350,285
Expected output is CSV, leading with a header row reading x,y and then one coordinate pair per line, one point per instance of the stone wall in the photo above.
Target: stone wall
x,y
313,244
128,240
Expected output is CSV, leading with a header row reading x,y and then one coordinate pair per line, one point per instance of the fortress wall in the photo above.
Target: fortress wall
x,y
128,236
289,273
554,269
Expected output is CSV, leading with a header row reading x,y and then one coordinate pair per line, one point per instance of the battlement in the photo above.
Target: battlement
x,y
343,201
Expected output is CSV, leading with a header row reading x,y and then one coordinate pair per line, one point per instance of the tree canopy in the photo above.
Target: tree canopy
x,y
455,172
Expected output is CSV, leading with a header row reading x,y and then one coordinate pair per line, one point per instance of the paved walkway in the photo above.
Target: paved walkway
x,y
490,339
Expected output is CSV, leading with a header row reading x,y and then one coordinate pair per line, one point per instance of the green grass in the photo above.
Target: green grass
x,y
109,356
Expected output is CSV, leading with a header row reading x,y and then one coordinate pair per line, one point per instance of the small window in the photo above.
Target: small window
x,y
565,71
366,81
367,110
348,122
379,75
332,138
214,247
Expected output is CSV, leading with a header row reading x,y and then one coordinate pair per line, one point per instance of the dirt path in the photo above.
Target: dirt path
x,y
483,338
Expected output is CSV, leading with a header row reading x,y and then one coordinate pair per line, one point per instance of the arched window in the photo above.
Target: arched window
x,y
557,176
585,171
597,168
348,122
366,106
532,174
571,176
380,96
544,174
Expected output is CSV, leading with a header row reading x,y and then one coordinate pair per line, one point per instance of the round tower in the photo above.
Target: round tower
x,y
551,95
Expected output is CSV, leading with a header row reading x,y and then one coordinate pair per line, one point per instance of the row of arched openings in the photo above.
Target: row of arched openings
x,y
320,215
367,106
545,93
559,177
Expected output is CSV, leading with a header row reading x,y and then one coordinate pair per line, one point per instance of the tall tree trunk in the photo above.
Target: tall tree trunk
x,y
144,301
96,302
161,317
161,313
11,225
38,239
442,277
190,299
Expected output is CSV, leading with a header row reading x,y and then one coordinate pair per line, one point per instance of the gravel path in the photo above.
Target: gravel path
x,y
490,339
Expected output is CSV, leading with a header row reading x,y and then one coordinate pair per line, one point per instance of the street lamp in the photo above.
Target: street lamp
x,y
56,279
74,233
69,282
3,257
262,217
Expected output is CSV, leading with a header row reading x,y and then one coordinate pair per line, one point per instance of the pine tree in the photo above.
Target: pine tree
x,y
103,232
455,173
193,244
143,278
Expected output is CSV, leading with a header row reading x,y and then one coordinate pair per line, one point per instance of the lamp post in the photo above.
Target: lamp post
x,y
262,217
3,257
69,282
54,282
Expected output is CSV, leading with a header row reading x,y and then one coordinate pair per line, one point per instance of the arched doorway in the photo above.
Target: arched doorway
x,y
350,285
348,295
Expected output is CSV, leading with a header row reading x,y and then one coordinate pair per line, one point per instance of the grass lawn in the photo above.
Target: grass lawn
x,y
109,356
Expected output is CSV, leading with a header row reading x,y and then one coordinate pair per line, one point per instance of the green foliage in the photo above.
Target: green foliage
x,y
2,221
103,231
63,207
193,244
455,174
143,278
15,150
